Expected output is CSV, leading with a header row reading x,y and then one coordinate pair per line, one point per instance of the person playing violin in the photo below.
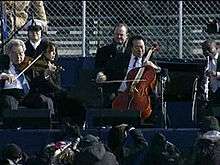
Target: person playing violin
x,y
46,71
46,81
15,89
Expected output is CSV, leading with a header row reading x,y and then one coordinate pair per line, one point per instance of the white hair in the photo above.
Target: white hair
x,y
14,43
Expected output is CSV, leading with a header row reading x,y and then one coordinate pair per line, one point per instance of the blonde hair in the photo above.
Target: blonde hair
x,y
14,43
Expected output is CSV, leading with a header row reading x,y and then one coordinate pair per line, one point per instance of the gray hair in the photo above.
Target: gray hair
x,y
121,24
14,43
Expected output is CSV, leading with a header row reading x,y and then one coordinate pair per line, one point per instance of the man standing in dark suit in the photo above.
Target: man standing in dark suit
x,y
111,62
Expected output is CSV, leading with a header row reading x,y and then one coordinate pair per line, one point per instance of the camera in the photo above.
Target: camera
x,y
213,27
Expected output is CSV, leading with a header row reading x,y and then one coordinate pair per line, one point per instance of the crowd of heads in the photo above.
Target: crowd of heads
x,y
76,146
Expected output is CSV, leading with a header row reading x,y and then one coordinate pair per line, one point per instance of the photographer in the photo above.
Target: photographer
x,y
126,154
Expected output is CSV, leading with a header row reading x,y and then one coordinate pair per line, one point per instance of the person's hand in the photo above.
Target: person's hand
x,y
212,73
122,125
158,69
101,77
8,77
125,128
150,63
52,67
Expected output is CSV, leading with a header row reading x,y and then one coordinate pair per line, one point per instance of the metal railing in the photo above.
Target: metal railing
x,y
80,27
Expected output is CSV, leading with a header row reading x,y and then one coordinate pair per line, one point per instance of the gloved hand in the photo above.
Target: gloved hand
x,y
101,77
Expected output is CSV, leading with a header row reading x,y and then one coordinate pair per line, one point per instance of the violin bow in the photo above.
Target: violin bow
x,y
118,81
28,66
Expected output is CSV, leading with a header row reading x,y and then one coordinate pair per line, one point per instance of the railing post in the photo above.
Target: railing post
x,y
84,29
180,29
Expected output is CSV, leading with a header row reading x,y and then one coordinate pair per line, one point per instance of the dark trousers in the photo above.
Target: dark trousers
x,y
10,99
214,100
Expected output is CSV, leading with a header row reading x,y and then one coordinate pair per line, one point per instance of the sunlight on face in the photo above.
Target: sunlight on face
x,y
138,48
34,36
120,34
51,53
17,55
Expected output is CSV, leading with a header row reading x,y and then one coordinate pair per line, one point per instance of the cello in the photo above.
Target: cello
x,y
140,82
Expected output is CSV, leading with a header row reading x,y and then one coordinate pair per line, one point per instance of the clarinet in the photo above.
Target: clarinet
x,y
207,81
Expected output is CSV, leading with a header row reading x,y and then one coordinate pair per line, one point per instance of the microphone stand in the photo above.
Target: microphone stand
x,y
194,98
164,103
100,88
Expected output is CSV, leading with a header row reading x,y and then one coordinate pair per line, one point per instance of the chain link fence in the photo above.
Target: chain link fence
x,y
157,21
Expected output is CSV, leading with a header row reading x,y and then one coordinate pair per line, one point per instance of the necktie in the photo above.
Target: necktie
x,y
23,81
135,61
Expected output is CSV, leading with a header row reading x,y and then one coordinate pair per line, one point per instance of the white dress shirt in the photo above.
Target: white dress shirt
x,y
36,44
123,85
16,84
214,83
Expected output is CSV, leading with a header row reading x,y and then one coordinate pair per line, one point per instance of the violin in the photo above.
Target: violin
x,y
38,64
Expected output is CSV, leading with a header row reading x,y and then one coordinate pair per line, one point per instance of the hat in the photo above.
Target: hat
x,y
12,151
36,25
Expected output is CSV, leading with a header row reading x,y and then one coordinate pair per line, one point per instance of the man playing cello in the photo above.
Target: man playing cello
x,y
137,59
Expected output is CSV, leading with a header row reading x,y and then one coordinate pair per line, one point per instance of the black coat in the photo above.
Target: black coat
x,y
131,154
95,154
113,63
31,51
